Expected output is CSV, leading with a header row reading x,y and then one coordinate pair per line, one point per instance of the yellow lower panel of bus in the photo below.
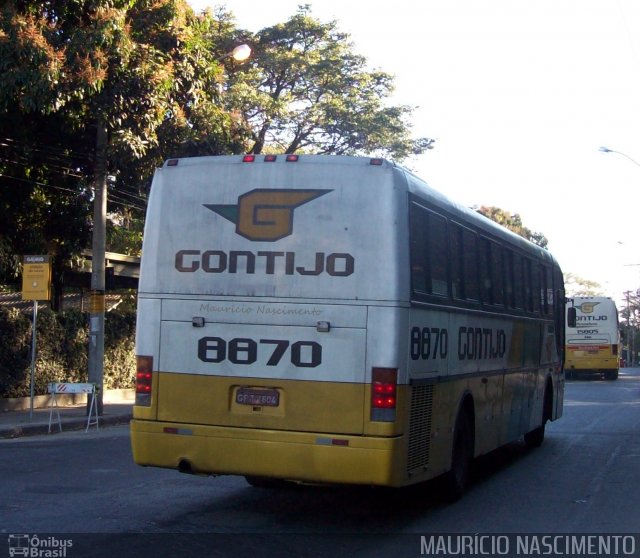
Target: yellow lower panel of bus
x,y
297,405
577,359
300,456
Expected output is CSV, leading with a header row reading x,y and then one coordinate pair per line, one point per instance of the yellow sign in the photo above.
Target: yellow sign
x,y
96,302
36,278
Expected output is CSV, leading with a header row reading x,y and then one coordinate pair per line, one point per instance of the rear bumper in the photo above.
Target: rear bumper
x,y
300,456
593,363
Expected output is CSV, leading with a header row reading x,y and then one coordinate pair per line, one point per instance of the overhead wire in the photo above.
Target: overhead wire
x,y
113,197
57,160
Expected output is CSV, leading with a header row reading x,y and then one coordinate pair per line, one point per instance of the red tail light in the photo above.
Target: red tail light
x,y
384,382
144,379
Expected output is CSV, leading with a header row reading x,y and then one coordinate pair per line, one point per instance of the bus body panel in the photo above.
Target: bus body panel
x,y
220,227
300,456
330,407
271,297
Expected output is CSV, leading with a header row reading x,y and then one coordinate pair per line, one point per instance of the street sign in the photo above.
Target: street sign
x,y
36,278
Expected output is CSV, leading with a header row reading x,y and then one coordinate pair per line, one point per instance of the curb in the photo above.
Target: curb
x,y
19,431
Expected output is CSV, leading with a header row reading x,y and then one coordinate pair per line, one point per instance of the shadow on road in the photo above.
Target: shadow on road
x,y
293,508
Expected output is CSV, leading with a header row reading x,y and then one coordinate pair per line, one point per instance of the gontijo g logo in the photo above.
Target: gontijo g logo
x,y
588,307
265,215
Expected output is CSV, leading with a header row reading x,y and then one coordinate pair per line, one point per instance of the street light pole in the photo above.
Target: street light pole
x,y
97,303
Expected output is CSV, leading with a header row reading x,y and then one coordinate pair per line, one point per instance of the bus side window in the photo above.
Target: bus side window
x,y
470,265
418,245
530,302
455,249
437,255
486,284
510,301
543,286
518,282
429,254
497,273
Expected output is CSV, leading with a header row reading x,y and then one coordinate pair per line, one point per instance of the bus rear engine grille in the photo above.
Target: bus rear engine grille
x,y
420,428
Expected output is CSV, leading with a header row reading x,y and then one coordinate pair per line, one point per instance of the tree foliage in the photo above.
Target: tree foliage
x,y
513,222
574,285
308,91
144,69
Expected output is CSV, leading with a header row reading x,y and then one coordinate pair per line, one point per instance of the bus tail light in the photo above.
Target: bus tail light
x,y
614,349
144,380
384,393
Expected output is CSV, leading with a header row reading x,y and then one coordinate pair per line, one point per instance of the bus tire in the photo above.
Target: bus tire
x,y
535,438
611,374
458,477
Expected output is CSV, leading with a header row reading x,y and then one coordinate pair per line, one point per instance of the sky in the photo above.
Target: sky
x,y
519,95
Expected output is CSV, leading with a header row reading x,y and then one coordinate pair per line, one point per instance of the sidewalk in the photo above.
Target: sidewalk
x,y
15,424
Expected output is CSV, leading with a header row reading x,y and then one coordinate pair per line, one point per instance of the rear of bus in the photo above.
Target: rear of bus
x,y
593,344
269,317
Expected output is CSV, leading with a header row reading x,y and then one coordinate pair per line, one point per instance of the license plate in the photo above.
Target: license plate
x,y
258,397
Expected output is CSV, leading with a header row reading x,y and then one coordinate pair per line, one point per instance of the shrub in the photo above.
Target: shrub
x,y
62,350
15,355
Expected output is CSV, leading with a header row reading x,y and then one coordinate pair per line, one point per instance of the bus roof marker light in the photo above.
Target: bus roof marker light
x,y
173,162
376,162
270,158
291,158
248,158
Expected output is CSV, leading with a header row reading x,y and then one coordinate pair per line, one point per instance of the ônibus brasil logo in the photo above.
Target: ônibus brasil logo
x,y
265,215
34,546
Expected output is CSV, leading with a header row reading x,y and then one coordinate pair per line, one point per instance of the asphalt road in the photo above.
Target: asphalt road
x,y
584,479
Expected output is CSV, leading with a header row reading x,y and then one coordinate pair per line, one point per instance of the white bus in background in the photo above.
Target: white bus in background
x,y
593,336
332,319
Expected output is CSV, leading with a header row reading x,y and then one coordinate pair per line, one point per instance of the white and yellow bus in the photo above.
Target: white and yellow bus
x,y
333,319
592,336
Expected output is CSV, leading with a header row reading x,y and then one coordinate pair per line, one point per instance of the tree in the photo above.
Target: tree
x,y
574,285
513,222
305,90
140,74
44,196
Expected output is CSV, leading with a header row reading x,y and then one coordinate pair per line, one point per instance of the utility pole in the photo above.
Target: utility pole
x,y
97,302
630,333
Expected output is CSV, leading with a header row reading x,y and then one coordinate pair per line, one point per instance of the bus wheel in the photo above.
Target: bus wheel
x,y
265,482
457,478
611,374
535,438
